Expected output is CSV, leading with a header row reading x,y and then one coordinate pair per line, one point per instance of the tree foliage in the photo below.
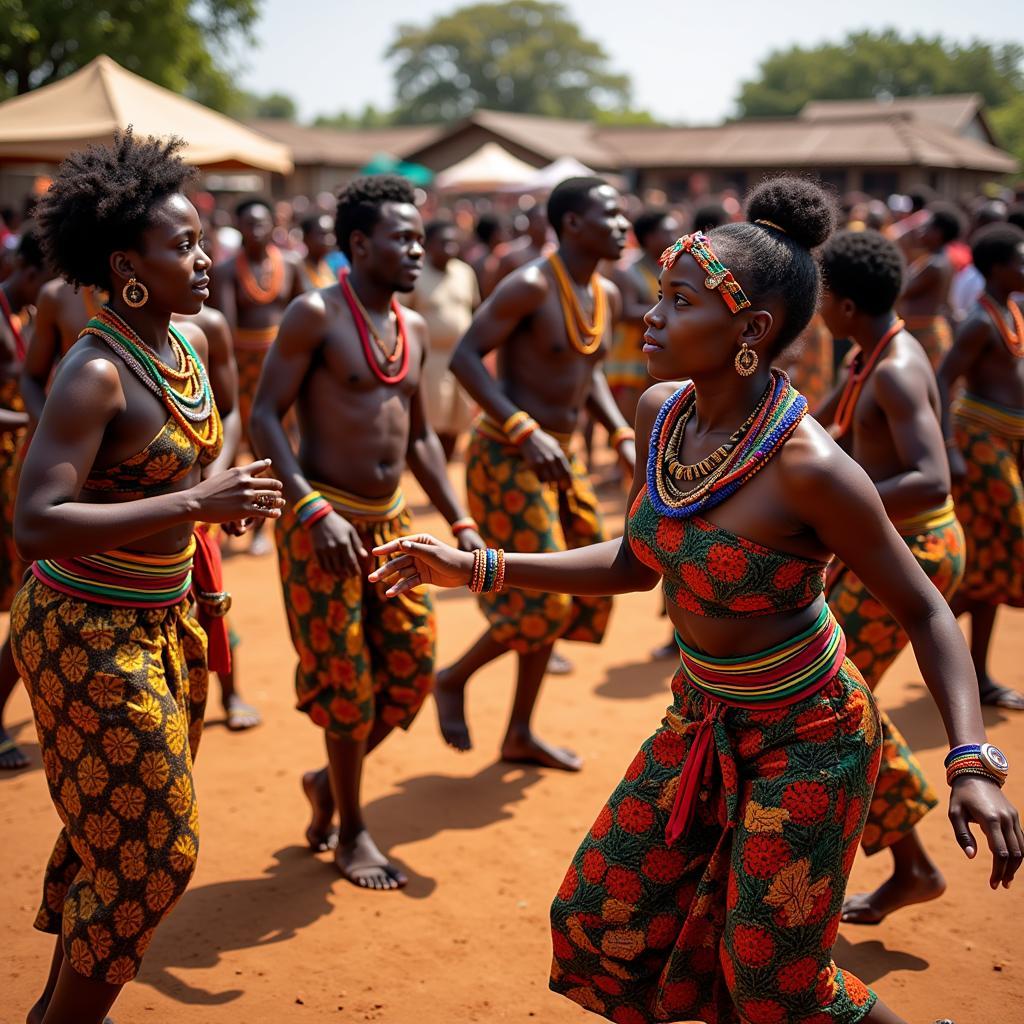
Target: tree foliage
x,y
866,65
527,56
370,117
276,106
181,44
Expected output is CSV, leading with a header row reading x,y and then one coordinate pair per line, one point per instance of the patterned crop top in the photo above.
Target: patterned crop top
x,y
711,572
168,458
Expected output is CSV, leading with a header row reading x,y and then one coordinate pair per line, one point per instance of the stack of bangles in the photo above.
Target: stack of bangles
x,y
488,571
311,509
519,426
619,436
977,759
464,524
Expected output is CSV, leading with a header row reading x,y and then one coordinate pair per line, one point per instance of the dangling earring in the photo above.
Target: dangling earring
x,y
135,293
746,361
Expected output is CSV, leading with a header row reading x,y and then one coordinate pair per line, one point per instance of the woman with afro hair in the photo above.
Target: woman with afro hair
x,y
711,885
101,631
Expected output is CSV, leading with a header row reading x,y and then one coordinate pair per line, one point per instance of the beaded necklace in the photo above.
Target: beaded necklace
x,y
577,326
1014,340
193,405
774,420
12,323
320,274
857,373
364,326
252,288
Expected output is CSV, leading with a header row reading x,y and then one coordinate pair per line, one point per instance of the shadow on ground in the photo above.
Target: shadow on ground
x,y
871,961
637,680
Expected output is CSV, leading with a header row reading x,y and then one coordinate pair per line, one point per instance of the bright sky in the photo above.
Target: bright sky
x,y
686,59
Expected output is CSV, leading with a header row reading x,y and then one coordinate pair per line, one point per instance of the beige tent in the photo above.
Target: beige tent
x,y
44,125
490,167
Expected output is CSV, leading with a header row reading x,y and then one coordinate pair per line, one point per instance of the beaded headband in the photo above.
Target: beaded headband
x,y
698,245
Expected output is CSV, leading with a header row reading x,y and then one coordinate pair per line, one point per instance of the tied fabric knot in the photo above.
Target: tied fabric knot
x,y
695,772
208,577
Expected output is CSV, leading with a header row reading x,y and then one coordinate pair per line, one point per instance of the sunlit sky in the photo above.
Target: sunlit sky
x,y
686,59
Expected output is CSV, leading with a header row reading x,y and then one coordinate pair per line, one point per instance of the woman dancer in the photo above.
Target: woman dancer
x,y
711,885
101,632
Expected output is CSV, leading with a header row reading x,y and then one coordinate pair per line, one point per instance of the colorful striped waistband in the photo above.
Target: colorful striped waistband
x,y
934,519
492,431
368,510
773,678
255,339
124,579
999,419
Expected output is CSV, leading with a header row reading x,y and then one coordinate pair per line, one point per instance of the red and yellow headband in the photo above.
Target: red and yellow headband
x,y
698,245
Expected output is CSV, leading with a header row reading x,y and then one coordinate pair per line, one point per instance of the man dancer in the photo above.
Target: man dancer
x,y
985,436
318,237
886,416
548,322
925,299
365,663
18,290
252,291
445,296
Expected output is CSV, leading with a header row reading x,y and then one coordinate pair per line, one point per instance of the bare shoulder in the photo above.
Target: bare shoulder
x,y
194,330
51,292
811,463
653,399
88,377
305,320
526,288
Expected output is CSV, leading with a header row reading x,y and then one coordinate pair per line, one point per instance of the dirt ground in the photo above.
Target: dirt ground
x,y
269,933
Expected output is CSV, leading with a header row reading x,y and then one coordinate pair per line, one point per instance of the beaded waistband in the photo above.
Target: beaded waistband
x,y
933,519
491,430
124,579
998,418
369,510
255,338
776,677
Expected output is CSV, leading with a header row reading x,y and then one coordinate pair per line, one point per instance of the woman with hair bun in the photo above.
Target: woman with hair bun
x,y
102,630
711,885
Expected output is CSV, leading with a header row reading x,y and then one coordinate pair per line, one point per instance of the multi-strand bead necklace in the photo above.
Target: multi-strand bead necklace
x,y
256,292
746,452
857,373
366,329
584,335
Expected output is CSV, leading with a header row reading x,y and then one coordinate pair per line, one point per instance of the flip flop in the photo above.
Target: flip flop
x,y
16,762
1002,697
240,717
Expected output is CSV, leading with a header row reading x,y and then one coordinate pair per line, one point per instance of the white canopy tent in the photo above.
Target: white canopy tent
x,y
491,168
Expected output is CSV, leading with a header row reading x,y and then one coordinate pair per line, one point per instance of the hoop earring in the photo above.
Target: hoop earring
x,y
135,293
745,361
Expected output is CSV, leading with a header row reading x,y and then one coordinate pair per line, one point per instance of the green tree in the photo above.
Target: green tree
x,y
1008,125
370,117
527,56
181,44
874,64
274,105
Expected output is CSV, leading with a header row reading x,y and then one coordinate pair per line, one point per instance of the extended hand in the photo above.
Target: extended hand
x,y
413,561
239,493
980,800
337,546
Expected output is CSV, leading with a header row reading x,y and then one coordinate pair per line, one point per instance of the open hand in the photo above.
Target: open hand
x,y
413,561
239,493
980,800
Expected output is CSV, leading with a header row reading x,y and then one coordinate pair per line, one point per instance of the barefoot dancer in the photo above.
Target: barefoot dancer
x,y
985,437
352,363
526,488
886,417
924,303
114,663
18,290
710,886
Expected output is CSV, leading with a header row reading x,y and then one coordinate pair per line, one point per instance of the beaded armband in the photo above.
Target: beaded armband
x,y
488,574
620,435
519,426
698,245
977,759
311,508
463,524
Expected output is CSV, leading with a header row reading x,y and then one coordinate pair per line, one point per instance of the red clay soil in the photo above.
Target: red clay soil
x,y
269,933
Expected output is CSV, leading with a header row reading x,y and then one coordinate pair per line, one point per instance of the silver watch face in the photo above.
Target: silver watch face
x,y
994,758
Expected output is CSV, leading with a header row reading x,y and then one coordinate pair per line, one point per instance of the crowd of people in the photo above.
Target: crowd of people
x,y
821,431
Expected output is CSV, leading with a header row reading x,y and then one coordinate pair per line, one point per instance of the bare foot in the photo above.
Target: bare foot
x,y
559,665
12,757
320,835
897,892
451,711
241,716
998,696
527,749
364,865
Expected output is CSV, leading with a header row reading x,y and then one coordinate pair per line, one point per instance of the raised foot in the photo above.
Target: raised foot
x,y
530,750
451,711
997,696
241,716
320,835
892,895
12,757
364,865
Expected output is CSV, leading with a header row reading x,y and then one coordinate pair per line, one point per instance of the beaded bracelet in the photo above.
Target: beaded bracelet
x,y
619,435
976,759
519,426
463,524
476,579
488,574
499,579
311,508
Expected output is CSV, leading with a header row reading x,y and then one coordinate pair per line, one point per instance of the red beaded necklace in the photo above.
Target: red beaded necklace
x,y
858,373
19,341
363,326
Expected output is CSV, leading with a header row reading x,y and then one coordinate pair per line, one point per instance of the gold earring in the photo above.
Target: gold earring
x,y
746,361
135,293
